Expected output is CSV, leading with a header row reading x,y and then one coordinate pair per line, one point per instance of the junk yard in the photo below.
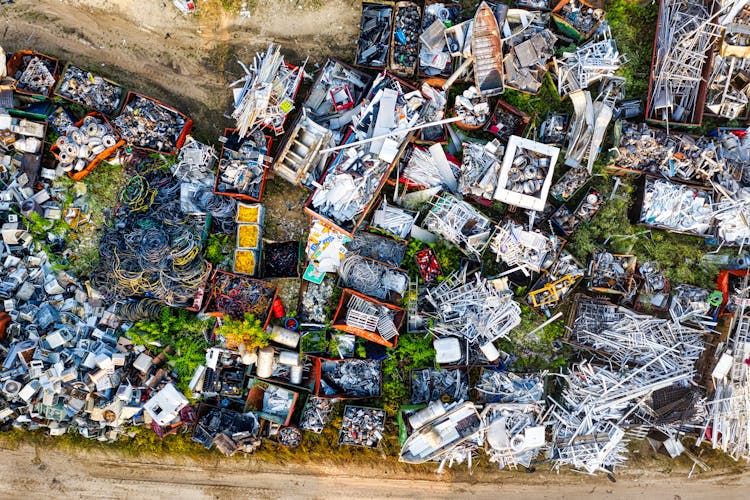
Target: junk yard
x,y
473,235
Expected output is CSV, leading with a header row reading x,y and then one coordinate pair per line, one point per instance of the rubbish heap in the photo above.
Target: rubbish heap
x,y
267,93
148,124
686,32
80,145
89,90
362,426
531,46
428,198
475,310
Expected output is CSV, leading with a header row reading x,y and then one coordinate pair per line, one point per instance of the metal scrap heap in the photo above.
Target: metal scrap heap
x,y
437,271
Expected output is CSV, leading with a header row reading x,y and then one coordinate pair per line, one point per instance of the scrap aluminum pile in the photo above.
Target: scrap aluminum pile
x,y
593,62
79,145
473,309
242,169
91,91
685,34
267,93
148,124
432,385
480,169
430,168
727,409
676,207
37,75
514,434
362,426
460,223
357,174
674,154
521,249
355,377
728,92
530,46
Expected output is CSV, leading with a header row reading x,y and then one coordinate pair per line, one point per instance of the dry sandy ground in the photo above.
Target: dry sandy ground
x,y
29,473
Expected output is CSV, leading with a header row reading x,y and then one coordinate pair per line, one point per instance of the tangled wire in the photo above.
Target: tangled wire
x,y
154,250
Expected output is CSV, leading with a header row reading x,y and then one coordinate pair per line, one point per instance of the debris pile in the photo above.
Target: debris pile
x,y
90,90
80,145
459,223
685,34
36,75
362,426
353,378
433,229
316,414
475,310
146,123
432,385
374,35
267,93
531,46
242,167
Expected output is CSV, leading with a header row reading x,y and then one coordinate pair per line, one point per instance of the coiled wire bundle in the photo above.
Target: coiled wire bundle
x,y
221,208
155,249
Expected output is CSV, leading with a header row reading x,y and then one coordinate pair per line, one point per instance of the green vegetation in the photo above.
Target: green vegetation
x,y
248,331
219,249
448,255
412,351
633,24
182,330
680,255
535,352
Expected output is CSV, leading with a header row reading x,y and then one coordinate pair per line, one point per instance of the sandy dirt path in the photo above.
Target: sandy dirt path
x,y
31,473
186,61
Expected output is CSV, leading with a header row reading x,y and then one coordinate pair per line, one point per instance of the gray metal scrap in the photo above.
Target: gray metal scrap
x,y
641,339
588,64
459,223
316,414
513,434
686,30
480,168
506,387
728,411
431,385
531,47
597,404
356,377
362,426
475,310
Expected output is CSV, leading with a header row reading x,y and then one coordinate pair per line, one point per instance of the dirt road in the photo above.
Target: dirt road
x,y
186,61
30,473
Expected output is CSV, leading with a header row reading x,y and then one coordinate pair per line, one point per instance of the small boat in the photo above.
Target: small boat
x,y
487,49
442,434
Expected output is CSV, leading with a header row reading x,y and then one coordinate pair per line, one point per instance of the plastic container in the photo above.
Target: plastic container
x,y
246,261
264,367
283,336
250,213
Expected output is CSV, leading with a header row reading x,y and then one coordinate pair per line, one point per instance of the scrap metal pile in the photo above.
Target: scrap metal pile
x,y
432,243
